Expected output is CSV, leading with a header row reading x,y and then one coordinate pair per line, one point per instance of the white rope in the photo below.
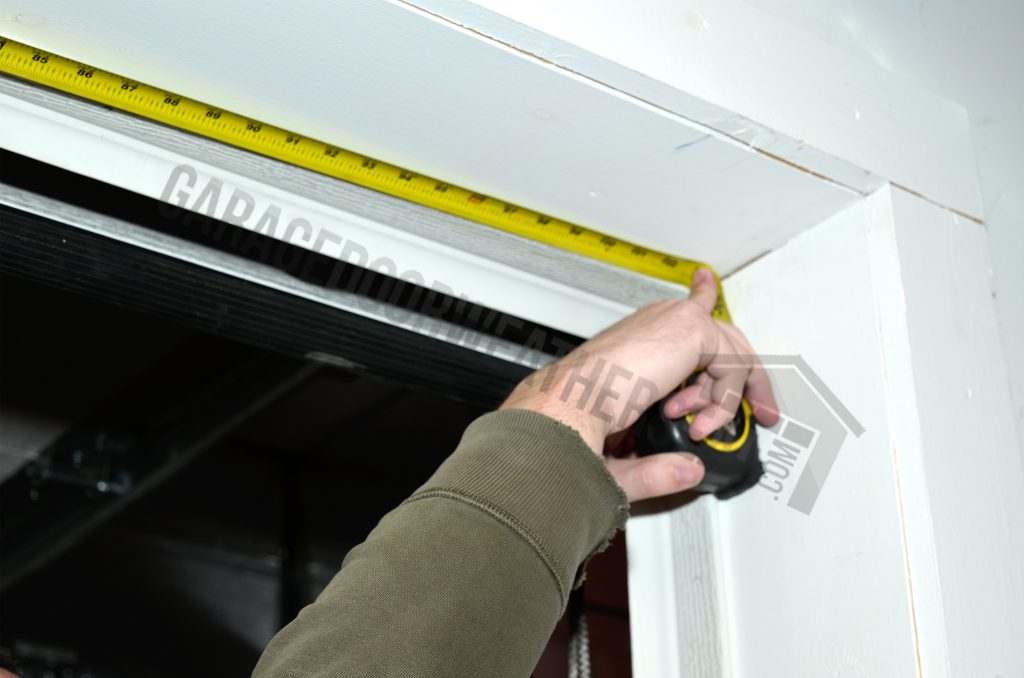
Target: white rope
x,y
579,639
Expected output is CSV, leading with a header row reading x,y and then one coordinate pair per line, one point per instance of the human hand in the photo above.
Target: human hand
x,y
601,388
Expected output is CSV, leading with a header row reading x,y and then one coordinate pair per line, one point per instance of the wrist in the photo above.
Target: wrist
x,y
544,396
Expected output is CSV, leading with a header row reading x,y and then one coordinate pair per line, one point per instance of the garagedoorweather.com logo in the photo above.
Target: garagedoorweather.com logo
x,y
799,451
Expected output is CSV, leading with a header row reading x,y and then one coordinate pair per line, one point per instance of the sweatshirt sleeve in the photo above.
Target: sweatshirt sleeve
x,y
469,575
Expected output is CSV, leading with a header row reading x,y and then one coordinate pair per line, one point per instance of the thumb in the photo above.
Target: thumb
x,y
656,475
704,289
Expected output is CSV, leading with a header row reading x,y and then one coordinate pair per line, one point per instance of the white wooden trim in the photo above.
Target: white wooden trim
x,y
909,562
967,472
392,81
824,593
654,622
677,591
752,76
573,46
903,415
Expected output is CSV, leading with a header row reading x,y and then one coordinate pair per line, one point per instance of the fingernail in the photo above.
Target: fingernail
x,y
691,472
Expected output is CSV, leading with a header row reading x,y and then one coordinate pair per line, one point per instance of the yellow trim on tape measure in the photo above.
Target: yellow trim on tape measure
x,y
193,116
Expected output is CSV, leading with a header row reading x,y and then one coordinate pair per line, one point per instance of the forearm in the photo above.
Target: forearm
x,y
469,575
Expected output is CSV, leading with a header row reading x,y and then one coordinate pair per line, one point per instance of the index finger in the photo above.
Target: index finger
x,y
759,391
761,397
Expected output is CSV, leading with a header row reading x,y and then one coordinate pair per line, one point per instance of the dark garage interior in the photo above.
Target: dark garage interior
x,y
171,498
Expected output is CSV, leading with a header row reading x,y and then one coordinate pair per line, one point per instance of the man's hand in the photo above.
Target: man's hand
x,y
602,387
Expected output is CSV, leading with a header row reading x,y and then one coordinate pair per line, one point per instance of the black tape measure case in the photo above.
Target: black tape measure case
x,y
730,454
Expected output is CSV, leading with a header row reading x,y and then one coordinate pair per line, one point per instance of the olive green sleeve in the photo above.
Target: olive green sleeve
x,y
468,576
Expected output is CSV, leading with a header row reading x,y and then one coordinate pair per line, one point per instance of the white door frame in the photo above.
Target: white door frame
x,y
840,201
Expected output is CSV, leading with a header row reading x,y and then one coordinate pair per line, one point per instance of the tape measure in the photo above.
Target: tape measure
x,y
730,455
230,128
730,462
